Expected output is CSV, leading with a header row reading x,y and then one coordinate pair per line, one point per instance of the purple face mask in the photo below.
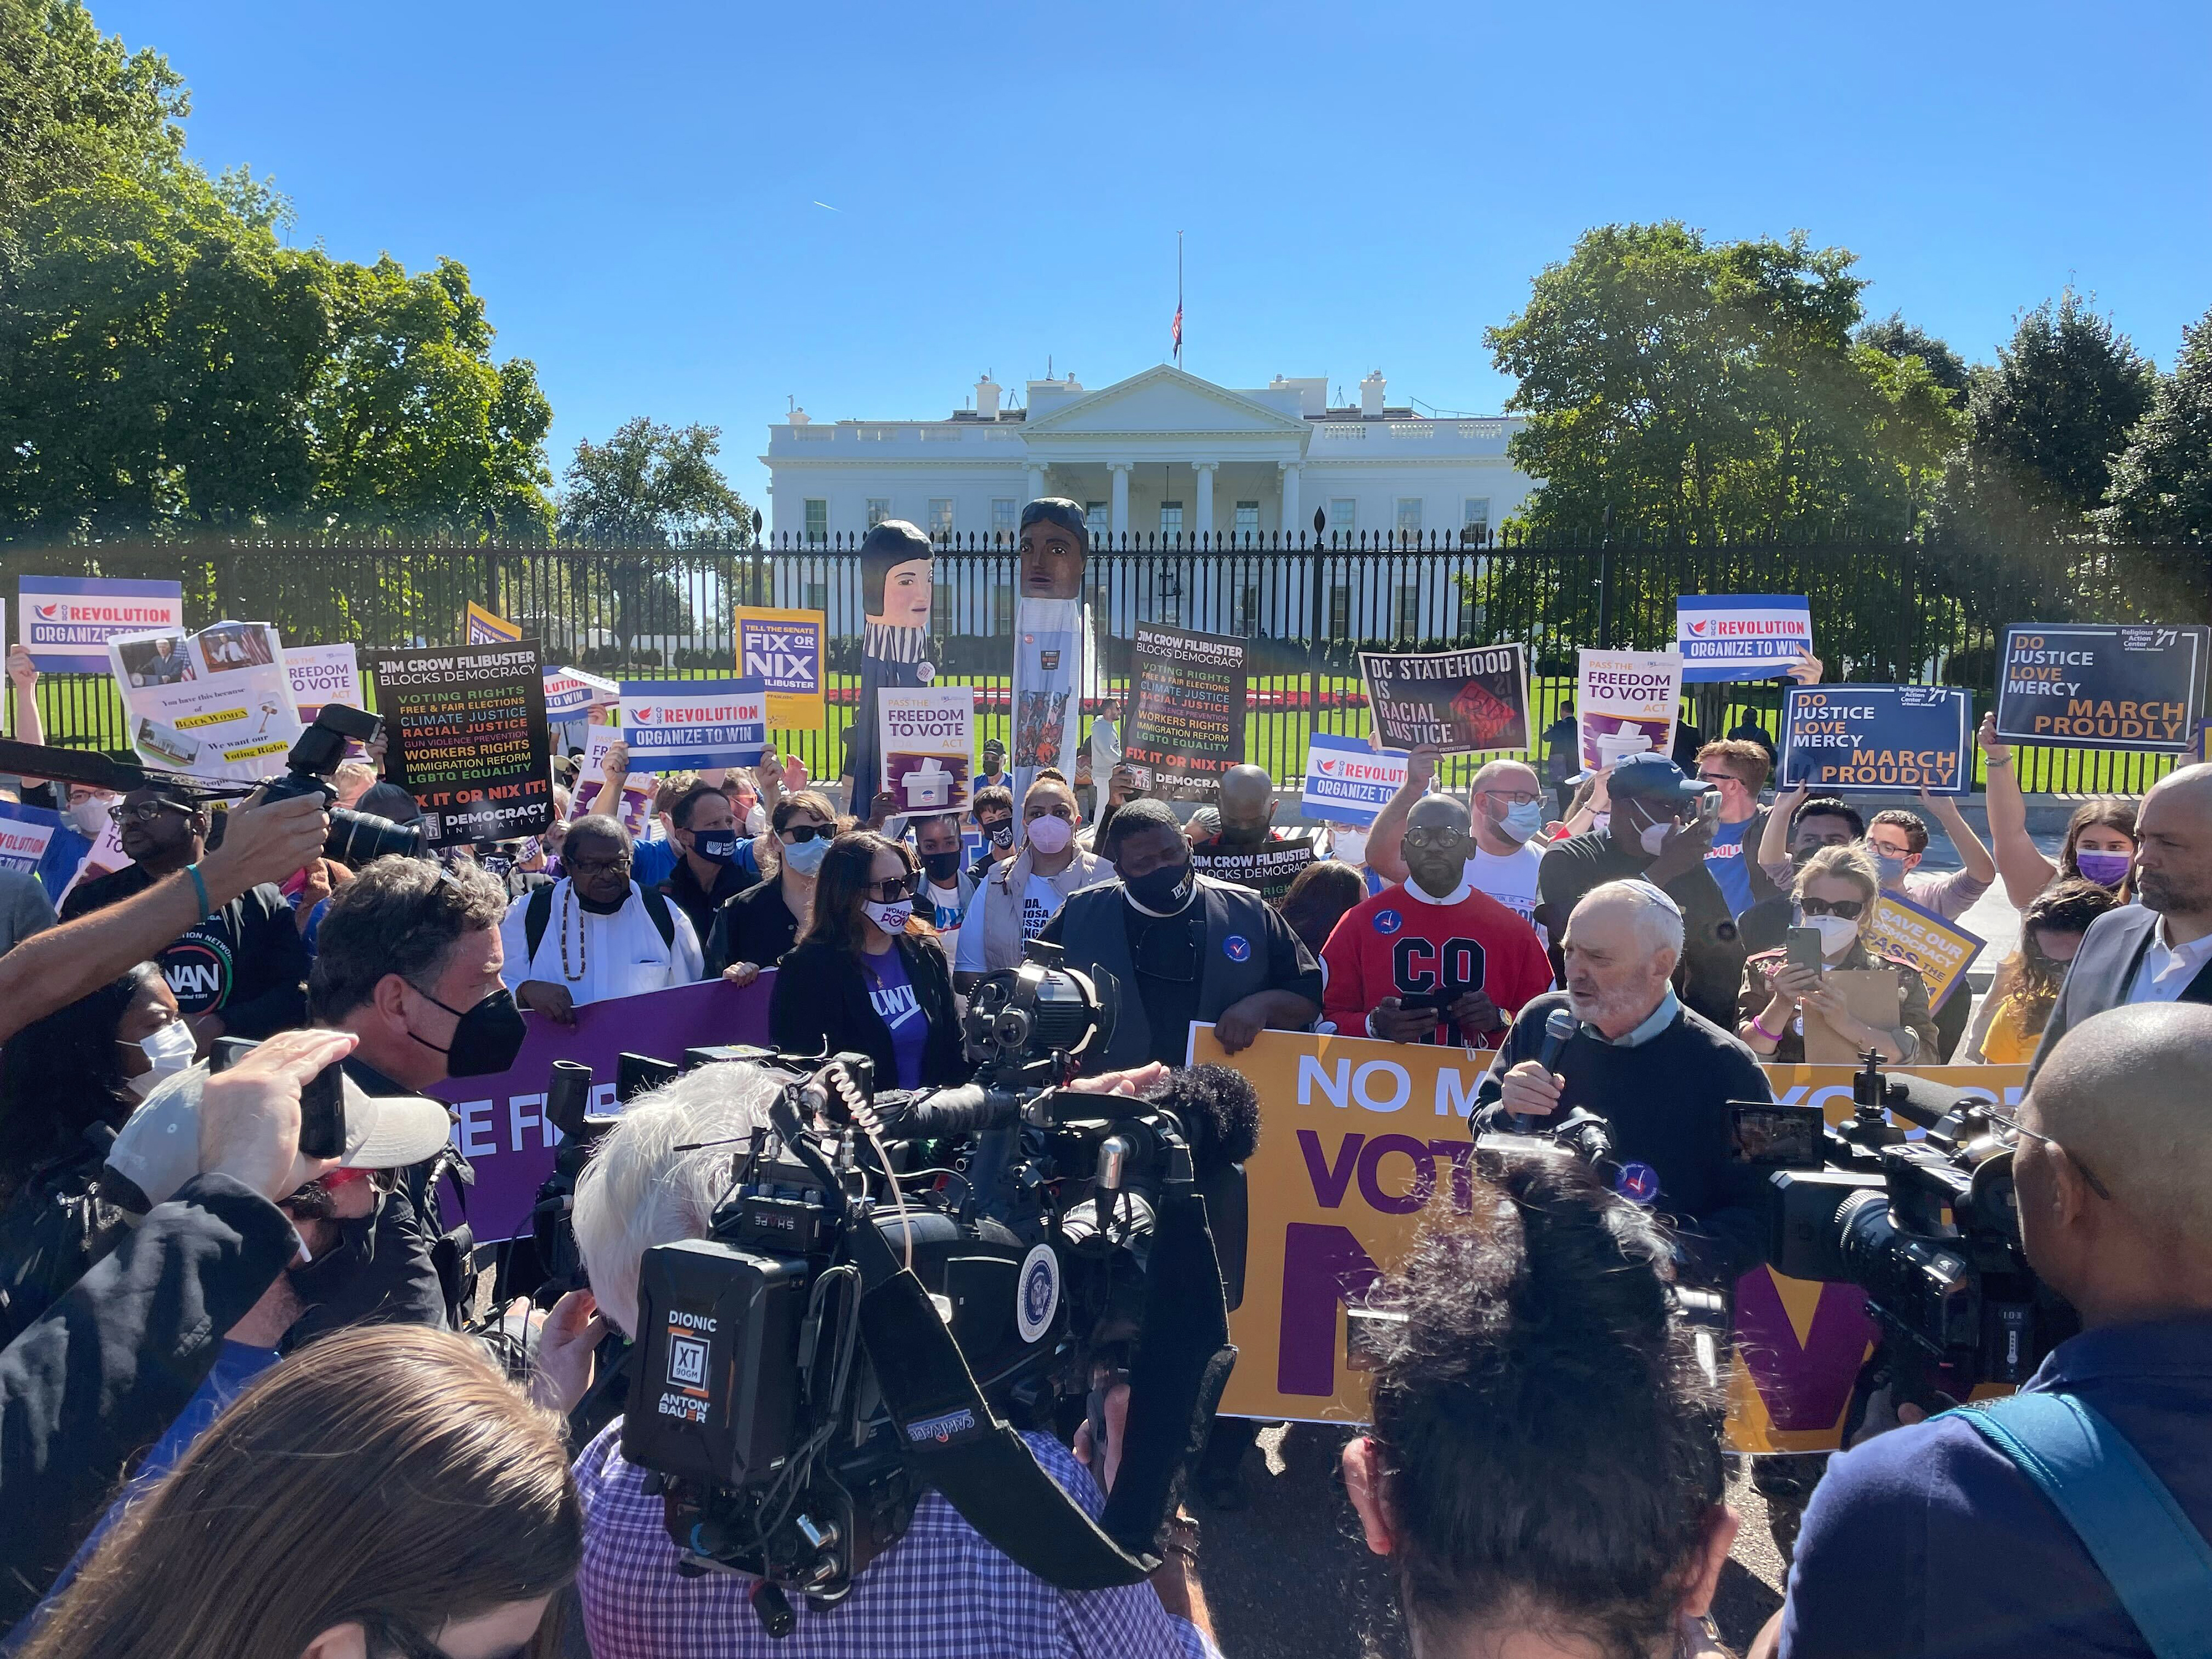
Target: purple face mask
x,y
2105,869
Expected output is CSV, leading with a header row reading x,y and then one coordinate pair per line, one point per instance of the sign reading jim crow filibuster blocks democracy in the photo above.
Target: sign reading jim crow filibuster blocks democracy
x,y
2088,685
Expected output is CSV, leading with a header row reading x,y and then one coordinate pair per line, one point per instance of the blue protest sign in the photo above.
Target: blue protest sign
x,y
1896,738
681,726
1348,781
1740,637
2092,685
24,833
68,620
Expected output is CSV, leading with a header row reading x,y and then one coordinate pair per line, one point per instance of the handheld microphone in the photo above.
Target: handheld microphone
x,y
1558,1030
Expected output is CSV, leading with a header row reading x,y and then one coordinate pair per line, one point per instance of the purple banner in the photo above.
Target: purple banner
x,y
503,1130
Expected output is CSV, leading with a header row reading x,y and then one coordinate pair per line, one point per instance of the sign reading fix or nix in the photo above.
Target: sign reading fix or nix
x,y
2092,685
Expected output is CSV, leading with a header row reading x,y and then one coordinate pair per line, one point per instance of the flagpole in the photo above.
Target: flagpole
x,y
1178,345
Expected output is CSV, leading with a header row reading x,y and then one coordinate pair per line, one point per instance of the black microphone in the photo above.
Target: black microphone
x,y
1558,1031
1219,1111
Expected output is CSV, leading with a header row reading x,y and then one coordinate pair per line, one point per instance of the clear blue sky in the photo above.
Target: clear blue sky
x,y
634,187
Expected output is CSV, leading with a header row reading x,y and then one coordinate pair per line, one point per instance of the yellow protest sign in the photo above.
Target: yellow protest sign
x,y
785,650
485,627
1941,951
1358,1138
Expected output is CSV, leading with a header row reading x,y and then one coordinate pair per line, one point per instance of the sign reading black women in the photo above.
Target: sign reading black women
x,y
2090,685
1463,701
465,725
1187,707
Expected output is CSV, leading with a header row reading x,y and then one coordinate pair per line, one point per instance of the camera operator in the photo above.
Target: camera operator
x,y
1930,1540
1193,948
940,1589
239,971
1544,1474
1657,834
595,934
1661,1074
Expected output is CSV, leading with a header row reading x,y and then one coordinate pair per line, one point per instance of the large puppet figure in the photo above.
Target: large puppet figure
x,y
1048,638
894,586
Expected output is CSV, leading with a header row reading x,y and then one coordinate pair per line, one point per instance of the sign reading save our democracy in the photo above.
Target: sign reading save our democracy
x,y
680,726
1348,781
1878,737
1740,637
2093,686
1940,951
1363,1139
67,621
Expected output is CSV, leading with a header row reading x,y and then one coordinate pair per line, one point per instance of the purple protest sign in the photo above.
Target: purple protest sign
x,y
503,1130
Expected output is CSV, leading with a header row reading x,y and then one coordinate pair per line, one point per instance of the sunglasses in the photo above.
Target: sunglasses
x,y
1440,839
800,834
2009,1136
892,888
146,812
1847,909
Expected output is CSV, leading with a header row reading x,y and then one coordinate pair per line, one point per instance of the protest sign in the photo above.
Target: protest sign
x,y
1348,781
1625,704
782,649
1186,724
216,705
67,621
571,694
1268,869
1888,738
1740,637
1940,951
24,833
681,726
638,786
1363,1137
467,738
2091,686
321,674
1463,701
927,737
487,628
1049,647
503,1130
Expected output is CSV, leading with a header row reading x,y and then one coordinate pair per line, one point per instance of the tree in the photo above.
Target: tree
x,y
2162,485
1894,337
652,485
2047,419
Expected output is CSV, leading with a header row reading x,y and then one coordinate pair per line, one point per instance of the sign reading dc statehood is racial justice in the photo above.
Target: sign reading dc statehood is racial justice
x,y
1878,737
2091,685
1472,701
466,737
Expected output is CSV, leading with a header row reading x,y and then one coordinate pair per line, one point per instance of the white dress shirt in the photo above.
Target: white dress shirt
x,y
2166,969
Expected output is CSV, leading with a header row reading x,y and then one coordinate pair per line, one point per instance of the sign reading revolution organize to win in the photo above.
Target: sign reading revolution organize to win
x,y
1740,637
466,734
1348,781
680,726
1878,737
1472,701
2088,685
1185,708
67,621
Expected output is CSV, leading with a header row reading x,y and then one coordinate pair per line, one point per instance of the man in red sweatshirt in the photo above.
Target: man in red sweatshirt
x,y
1431,960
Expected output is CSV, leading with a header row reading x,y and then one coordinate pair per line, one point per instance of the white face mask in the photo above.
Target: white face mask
x,y
1350,845
168,1048
1653,836
1050,836
1523,820
89,816
891,918
1601,823
1835,933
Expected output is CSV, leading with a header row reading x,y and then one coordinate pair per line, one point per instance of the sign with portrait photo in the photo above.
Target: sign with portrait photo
x,y
216,705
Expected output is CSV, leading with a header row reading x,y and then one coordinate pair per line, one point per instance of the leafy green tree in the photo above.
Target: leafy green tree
x,y
651,485
1894,337
2047,419
2161,483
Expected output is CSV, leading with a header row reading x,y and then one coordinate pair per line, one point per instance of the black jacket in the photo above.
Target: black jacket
x,y
245,962
756,926
1711,970
102,1376
682,888
820,1004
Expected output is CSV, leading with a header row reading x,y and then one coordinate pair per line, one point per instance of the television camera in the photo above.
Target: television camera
x,y
896,1283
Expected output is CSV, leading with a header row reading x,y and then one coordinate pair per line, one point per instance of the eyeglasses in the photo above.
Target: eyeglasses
x,y
797,834
618,865
1849,909
1515,797
146,812
1440,839
892,889
1718,777
1891,850
2007,1137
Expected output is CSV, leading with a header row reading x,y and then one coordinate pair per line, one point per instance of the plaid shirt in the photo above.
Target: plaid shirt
x,y
941,1592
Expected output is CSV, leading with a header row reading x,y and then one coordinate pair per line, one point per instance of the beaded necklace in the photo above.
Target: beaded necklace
x,y
583,949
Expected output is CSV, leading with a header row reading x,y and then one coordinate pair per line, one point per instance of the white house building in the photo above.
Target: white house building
x,y
1162,452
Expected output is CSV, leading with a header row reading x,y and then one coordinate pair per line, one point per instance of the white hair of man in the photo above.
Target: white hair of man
x,y
1658,918
638,1190
2124,1092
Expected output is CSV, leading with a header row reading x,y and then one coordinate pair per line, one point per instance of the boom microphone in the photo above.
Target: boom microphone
x,y
1558,1030
1219,1111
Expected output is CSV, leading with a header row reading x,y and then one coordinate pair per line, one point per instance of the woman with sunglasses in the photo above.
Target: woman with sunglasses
x,y
869,977
1834,895
755,929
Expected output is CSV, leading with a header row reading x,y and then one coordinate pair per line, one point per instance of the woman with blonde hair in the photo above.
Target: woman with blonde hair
x,y
385,1494
1834,893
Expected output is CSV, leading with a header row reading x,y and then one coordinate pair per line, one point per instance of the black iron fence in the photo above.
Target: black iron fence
x,y
1882,611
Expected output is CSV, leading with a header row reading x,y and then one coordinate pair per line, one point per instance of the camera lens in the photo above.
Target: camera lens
x,y
355,838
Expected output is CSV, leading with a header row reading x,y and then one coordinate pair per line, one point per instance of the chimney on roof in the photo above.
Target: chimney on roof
x,y
798,416
986,398
1370,397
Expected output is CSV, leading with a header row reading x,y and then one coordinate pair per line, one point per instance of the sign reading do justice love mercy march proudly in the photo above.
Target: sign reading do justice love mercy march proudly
x,y
1360,1138
1878,737
2093,686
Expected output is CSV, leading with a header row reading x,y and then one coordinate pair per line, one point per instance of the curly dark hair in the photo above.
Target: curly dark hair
x,y
841,887
1318,899
1548,1446
61,1074
2069,905
403,916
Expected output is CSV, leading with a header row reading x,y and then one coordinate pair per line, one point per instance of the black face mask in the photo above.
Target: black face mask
x,y
1000,833
487,1039
716,846
1165,891
941,867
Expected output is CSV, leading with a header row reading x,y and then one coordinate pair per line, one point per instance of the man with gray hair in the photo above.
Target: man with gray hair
x,y
1929,1540
655,1179
1661,1074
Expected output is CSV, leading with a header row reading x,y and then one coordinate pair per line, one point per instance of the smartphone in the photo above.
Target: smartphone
x,y
322,1112
1801,948
1433,1002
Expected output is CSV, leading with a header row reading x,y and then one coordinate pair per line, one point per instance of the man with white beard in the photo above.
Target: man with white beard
x,y
1661,1074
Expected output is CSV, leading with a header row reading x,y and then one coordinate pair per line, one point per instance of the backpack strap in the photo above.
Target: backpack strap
x,y
656,905
535,915
2157,1562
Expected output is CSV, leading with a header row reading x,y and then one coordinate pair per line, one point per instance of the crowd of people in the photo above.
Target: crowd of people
x,y
239,1413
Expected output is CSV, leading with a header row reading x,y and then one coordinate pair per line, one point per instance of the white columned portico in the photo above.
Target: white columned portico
x,y
1204,523
1293,523
1119,523
1035,480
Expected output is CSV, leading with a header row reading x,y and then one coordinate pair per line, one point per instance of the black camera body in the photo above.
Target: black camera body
x,y
354,837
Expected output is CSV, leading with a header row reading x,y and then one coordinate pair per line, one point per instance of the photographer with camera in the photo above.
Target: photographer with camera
x,y
1940,1538
940,1589
1544,1474
1659,1073
241,970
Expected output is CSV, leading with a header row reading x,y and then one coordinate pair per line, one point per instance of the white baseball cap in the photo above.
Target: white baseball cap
x,y
158,1148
